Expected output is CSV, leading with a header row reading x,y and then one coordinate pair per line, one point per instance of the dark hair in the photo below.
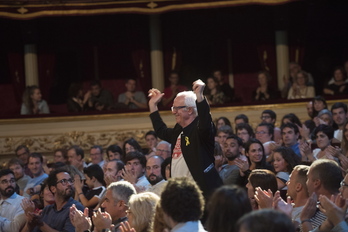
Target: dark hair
x,y
52,177
326,129
4,172
226,120
342,71
235,137
293,118
119,164
338,105
95,82
318,98
27,101
266,73
96,171
270,128
15,161
173,72
262,163
227,204
21,147
247,127
131,79
329,174
74,89
289,156
114,148
151,132
63,151
182,200
271,113
97,147
78,150
136,155
36,155
263,178
242,116
133,143
225,129
164,165
266,220
291,126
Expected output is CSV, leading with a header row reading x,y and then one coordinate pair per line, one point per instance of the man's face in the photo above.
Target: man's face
x,y
23,155
7,185
17,170
131,85
113,155
244,135
231,149
58,157
73,158
291,183
95,90
135,167
262,134
110,205
344,187
163,150
222,136
339,116
96,156
35,166
174,79
267,118
289,137
151,141
181,115
153,170
63,190
111,168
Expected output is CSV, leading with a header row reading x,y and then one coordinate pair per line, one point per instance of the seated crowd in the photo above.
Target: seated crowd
x,y
288,178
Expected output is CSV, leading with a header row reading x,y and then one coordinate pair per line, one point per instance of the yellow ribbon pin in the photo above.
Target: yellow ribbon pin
x,y
187,141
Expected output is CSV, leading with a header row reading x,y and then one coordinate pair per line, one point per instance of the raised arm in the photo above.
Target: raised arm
x,y
198,88
155,97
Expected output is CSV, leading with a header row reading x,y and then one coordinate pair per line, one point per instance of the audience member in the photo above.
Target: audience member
x,y
12,216
77,102
76,157
36,168
264,92
192,137
222,133
291,118
171,91
290,136
56,216
151,141
154,174
165,168
113,171
100,98
324,117
22,152
241,118
131,98
264,132
226,206
269,116
33,102
135,164
219,157
319,103
213,93
224,86
60,155
164,150
245,132
300,88
340,114
323,178
17,167
339,85
96,154
182,203
131,145
114,152
222,121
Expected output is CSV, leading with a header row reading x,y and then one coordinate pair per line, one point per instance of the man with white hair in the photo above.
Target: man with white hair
x,y
192,138
164,149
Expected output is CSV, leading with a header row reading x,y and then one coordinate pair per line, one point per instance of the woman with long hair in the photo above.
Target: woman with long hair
x,y
33,102
213,93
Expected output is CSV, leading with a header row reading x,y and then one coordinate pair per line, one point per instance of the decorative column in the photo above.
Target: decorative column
x,y
30,65
282,50
156,53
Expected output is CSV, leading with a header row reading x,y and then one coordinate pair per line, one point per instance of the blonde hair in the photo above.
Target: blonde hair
x,y
142,206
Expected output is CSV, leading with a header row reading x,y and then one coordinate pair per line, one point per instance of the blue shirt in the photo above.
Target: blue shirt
x,y
296,149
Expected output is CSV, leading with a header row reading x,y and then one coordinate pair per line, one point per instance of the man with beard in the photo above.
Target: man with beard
x,y
232,150
17,167
56,217
12,216
154,175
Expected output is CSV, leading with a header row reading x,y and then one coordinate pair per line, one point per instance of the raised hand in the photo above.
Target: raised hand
x,y
155,97
263,198
198,88
101,220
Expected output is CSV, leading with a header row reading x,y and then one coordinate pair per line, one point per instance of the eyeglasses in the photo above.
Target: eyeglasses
x,y
64,182
11,181
260,132
175,108
343,184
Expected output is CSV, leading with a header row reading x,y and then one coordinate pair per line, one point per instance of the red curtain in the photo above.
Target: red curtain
x,y
16,66
46,64
141,62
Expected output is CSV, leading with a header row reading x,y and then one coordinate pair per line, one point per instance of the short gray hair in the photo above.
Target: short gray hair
x,y
166,143
122,190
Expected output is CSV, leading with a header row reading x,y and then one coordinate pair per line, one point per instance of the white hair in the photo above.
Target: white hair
x,y
190,99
